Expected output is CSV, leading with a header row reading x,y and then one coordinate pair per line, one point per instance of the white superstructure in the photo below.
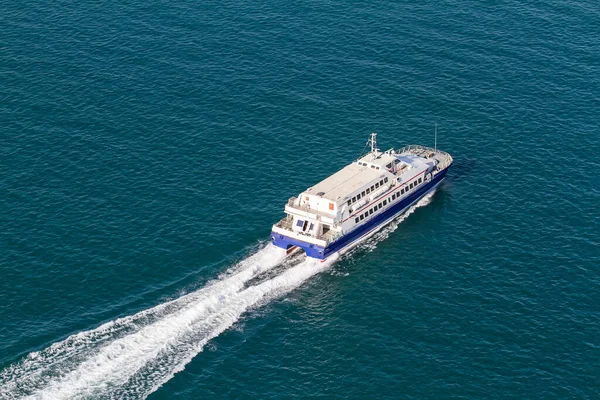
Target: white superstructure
x,y
365,193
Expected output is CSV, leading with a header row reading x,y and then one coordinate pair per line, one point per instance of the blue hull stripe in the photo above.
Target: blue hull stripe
x,y
315,251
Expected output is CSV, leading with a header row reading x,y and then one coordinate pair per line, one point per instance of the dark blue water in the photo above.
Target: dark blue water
x,y
148,147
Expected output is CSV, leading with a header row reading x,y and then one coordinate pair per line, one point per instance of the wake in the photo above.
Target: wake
x,y
133,356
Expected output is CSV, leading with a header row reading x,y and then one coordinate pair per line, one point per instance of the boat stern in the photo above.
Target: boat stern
x,y
289,240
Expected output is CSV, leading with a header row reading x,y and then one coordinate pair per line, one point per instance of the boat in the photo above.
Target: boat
x,y
342,210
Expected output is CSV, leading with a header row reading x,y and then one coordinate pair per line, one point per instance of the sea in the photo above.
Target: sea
x,y
147,147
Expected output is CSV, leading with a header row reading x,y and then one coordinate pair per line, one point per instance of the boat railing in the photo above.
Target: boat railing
x,y
294,203
330,236
444,159
286,223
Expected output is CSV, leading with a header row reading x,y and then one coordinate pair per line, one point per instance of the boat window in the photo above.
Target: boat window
x,y
356,220
349,202
410,186
372,166
311,227
379,206
420,180
305,225
386,179
393,196
358,197
353,199
389,166
377,185
372,188
299,223
363,193
362,216
381,182
370,211
402,191
368,190
384,202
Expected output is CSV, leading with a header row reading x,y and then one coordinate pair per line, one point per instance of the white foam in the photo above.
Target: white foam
x,y
125,338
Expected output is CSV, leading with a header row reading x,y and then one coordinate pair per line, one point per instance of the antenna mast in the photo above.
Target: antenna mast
x,y
373,143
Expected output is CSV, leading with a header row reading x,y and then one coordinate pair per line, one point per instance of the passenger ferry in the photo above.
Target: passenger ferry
x,y
355,202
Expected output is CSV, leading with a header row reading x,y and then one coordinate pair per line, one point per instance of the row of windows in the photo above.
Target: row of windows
x,y
367,191
411,185
370,211
394,197
364,164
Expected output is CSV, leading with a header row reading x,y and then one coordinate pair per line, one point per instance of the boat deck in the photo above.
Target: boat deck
x,y
444,159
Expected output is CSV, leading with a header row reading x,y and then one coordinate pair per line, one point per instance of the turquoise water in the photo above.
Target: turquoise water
x,y
148,147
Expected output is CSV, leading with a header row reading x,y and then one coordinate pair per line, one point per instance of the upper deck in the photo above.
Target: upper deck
x,y
344,182
366,178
